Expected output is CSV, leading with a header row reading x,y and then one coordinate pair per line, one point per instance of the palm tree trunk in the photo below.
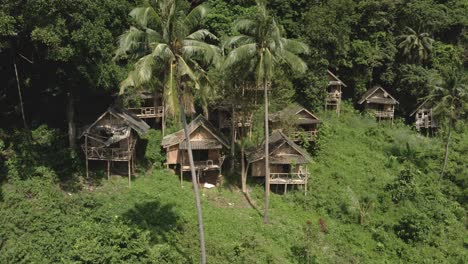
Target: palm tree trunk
x,y
447,144
194,182
233,140
267,152
244,172
20,95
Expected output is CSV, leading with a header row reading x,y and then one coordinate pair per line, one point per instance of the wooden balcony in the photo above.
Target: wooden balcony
x,y
299,135
333,97
114,154
204,165
289,178
148,112
241,122
253,86
384,114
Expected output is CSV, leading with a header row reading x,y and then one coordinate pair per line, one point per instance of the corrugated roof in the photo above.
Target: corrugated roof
x,y
179,136
425,103
276,140
372,91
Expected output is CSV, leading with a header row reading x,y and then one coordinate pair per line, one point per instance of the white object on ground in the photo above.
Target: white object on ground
x,y
208,185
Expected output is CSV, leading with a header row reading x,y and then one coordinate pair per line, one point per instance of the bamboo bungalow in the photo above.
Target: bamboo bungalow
x,y
151,107
380,102
221,115
424,118
304,124
287,161
207,147
112,138
333,100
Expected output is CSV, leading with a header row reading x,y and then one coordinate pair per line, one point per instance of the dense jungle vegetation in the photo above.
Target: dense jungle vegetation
x,y
376,192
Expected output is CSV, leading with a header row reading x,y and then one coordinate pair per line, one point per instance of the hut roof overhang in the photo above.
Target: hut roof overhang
x,y
425,103
120,132
373,90
336,80
294,110
277,140
178,138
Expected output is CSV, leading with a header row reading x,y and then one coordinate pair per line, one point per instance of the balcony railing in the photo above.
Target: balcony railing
x,y
333,96
384,114
241,122
289,178
100,153
147,112
299,135
204,164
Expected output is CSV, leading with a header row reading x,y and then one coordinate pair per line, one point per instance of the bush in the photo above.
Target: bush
x,y
153,152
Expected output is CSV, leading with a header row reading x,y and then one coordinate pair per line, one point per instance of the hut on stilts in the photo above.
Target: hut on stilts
x,y
287,162
334,92
112,138
424,118
151,108
380,103
301,124
208,146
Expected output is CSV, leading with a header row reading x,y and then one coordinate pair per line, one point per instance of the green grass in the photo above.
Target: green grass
x,y
156,218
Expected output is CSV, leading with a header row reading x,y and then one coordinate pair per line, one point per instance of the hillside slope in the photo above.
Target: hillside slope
x,y
374,197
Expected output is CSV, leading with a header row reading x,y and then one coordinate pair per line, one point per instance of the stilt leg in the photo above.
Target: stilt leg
x,y
108,170
129,173
285,188
87,168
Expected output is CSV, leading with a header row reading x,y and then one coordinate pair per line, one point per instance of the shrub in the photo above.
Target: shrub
x,y
153,152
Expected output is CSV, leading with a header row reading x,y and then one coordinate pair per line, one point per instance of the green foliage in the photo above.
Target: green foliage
x,y
154,152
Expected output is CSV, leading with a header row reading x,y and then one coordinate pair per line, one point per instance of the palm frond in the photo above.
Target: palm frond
x,y
143,14
240,54
202,34
195,17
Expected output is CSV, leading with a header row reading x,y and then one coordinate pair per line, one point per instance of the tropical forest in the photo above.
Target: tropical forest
x,y
233,131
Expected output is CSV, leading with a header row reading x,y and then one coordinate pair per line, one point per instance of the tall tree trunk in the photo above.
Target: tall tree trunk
x,y
244,172
233,140
447,144
20,95
267,158
71,120
194,182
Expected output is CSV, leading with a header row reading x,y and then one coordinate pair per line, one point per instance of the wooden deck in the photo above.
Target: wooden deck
x,y
112,154
240,122
148,112
384,114
307,135
203,165
289,178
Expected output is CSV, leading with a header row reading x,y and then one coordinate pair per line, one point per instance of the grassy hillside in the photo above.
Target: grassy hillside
x,y
374,197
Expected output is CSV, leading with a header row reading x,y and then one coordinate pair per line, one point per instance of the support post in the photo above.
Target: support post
x,y
86,156
108,169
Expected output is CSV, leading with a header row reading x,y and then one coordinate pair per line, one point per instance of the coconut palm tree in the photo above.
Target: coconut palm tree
x,y
416,46
171,48
261,47
449,96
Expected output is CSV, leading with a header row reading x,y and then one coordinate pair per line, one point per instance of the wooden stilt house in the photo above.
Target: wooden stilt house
x,y
151,107
333,100
297,123
380,102
287,161
222,116
112,138
424,117
207,147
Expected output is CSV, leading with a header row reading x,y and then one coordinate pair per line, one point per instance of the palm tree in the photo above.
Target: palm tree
x,y
416,46
261,47
449,96
170,47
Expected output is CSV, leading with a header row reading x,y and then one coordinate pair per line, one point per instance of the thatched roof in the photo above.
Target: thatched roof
x,y
276,140
425,104
378,100
129,120
200,121
293,110
336,80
